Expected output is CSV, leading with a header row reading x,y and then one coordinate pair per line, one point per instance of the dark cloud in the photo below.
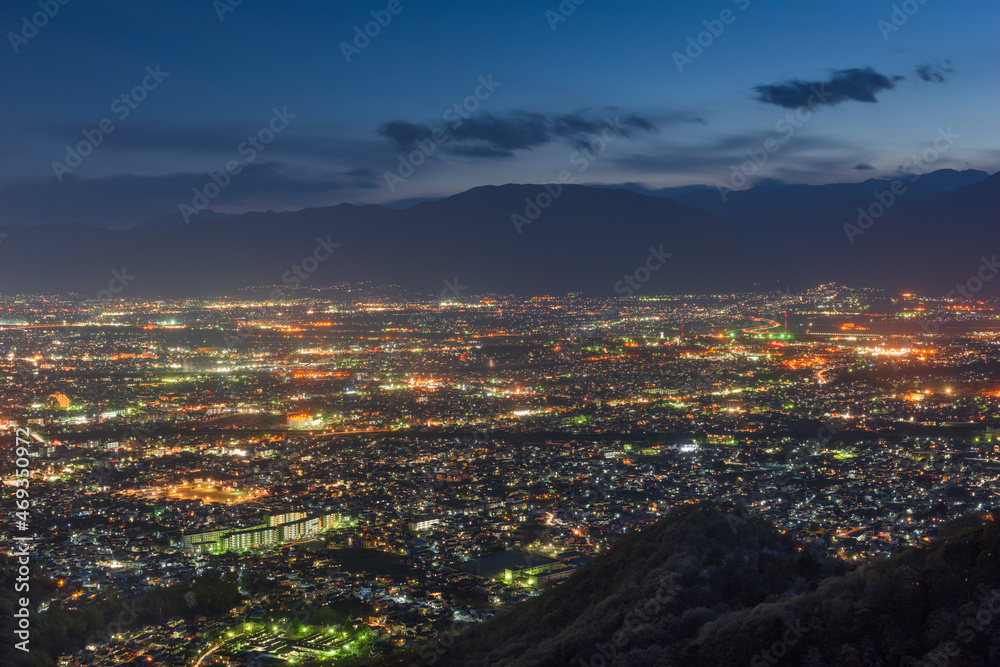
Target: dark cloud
x,y
864,166
811,170
860,85
403,133
813,158
480,151
518,130
363,173
119,201
714,158
498,135
935,73
342,145
770,183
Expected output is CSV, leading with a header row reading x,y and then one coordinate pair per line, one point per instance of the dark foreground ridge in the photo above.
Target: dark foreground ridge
x,y
706,587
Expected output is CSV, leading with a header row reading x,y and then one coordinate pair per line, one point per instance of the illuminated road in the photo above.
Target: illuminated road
x,y
214,649
821,373
762,329
358,432
210,652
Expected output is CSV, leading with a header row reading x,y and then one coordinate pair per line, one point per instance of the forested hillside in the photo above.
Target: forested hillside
x,y
705,587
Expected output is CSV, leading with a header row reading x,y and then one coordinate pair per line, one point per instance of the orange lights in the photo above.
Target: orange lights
x,y
425,383
804,362
314,375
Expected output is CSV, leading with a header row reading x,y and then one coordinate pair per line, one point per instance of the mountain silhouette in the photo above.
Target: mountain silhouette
x,y
531,239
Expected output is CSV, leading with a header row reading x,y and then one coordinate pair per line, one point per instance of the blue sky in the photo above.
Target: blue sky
x,y
557,88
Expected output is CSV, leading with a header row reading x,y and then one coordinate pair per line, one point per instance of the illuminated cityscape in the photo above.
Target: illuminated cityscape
x,y
405,465
568,333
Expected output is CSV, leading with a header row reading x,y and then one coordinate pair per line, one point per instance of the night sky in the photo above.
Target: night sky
x,y
549,84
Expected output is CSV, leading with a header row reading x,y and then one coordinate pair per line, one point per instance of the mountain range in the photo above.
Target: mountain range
x,y
925,234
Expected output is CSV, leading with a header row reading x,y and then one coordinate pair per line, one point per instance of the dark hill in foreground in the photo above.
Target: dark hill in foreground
x,y
704,588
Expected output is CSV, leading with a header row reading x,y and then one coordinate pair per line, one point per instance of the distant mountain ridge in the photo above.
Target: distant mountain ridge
x,y
531,239
771,196
175,219
767,196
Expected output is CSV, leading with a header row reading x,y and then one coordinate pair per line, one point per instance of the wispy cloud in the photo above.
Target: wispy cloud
x,y
935,73
499,135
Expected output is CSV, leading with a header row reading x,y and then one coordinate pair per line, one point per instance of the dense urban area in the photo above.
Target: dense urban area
x,y
335,477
